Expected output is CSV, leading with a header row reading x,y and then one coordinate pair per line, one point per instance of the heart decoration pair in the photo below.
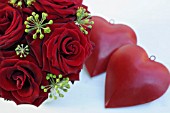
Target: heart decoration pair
x,y
132,78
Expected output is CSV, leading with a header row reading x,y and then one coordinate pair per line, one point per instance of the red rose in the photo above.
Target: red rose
x,y
58,10
20,80
11,26
66,50
3,1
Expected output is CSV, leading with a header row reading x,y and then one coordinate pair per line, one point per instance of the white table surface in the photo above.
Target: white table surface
x,y
151,21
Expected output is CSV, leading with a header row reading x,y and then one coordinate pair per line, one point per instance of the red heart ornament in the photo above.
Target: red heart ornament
x,y
107,38
133,78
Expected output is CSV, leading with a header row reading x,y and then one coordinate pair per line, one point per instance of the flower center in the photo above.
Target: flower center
x,y
19,78
57,85
33,23
83,20
19,3
22,51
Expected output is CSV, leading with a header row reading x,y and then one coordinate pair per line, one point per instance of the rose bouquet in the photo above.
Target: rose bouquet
x,y
43,45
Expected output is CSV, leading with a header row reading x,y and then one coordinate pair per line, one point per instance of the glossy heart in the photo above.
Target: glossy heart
x,y
107,38
133,78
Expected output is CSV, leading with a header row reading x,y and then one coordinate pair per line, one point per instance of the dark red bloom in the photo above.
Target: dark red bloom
x,y
20,80
66,50
11,26
58,10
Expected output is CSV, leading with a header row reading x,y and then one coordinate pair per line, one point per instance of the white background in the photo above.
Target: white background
x,y
151,21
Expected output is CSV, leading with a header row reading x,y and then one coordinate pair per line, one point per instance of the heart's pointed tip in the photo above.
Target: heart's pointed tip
x,y
96,71
109,105
91,72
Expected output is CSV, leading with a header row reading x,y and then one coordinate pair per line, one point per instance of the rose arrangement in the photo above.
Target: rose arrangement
x,y
44,44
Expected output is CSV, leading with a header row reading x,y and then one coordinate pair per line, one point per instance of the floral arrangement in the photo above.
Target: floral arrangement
x,y
44,44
